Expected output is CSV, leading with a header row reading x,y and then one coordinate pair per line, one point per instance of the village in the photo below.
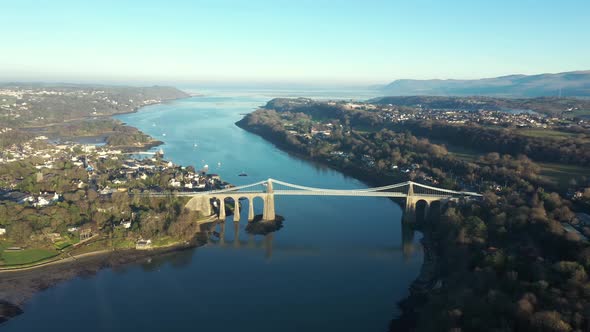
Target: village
x,y
55,181
27,105
507,118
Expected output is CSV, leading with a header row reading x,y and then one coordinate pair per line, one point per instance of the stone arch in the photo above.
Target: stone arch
x,y
218,204
258,203
422,207
245,202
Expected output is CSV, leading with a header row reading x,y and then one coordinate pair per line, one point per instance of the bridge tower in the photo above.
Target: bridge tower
x,y
269,203
410,211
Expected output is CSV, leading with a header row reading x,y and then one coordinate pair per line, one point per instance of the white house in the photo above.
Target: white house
x,y
2,230
41,201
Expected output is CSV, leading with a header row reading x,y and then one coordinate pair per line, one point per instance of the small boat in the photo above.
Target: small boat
x,y
242,174
164,134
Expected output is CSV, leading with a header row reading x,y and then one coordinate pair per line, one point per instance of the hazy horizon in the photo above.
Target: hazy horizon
x,y
306,42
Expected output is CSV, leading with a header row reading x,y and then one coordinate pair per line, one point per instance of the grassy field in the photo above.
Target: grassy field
x,y
164,241
27,256
562,173
545,133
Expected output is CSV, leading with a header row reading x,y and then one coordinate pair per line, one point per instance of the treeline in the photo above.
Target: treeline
x,y
573,150
570,150
14,137
508,265
380,156
323,110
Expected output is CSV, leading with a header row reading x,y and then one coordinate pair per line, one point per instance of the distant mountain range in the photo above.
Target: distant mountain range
x,y
569,84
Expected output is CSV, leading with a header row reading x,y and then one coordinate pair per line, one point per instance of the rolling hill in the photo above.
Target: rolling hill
x,y
568,84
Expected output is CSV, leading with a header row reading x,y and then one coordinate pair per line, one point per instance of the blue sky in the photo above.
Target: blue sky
x,y
347,42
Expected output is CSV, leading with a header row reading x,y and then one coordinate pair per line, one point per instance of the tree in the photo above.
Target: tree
x,y
549,321
20,232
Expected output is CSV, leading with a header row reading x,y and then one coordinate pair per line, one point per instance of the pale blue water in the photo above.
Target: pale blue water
x,y
336,265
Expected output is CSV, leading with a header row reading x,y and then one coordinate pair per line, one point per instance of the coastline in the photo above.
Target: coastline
x,y
429,271
18,287
100,116
20,284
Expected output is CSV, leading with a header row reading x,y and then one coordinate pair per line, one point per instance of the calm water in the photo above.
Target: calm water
x,y
336,265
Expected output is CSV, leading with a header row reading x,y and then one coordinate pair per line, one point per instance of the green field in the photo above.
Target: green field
x,y
66,242
562,173
545,133
26,256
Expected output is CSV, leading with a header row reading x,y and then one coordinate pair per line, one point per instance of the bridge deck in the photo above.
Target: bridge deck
x,y
297,190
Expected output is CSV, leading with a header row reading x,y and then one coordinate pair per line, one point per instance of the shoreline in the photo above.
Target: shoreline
x,y
20,284
429,271
127,149
100,116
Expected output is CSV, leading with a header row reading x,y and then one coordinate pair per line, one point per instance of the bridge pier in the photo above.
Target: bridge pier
x,y
410,211
268,213
269,208
222,215
236,209
251,209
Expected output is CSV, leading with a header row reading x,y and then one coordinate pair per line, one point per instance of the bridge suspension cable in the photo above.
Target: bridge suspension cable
x,y
296,186
304,190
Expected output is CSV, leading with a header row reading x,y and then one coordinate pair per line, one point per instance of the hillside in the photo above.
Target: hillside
x,y
568,84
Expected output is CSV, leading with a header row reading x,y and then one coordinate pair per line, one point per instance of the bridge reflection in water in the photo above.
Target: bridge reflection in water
x,y
218,236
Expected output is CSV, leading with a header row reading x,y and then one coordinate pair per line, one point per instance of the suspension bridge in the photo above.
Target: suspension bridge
x,y
411,192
